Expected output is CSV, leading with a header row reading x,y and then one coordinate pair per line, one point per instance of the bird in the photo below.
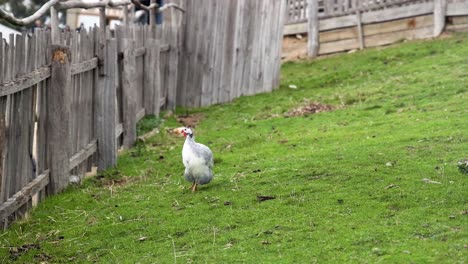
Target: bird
x,y
197,159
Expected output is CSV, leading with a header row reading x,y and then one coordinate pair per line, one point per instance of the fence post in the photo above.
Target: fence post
x,y
359,28
440,10
58,119
106,110
313,28
128,94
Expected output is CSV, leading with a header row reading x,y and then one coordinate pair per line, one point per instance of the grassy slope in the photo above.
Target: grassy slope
x,y
406,105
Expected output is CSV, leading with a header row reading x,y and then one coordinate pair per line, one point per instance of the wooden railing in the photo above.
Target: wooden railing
x,y
334,8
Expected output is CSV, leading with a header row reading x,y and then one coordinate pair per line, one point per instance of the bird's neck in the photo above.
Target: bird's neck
x,y
189,138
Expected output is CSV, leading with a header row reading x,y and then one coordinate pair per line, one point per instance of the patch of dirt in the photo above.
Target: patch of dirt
x,y
312,108
294,48
190,120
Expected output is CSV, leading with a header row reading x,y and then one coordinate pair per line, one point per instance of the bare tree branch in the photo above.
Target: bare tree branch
x,y
64,4
87,5
30,19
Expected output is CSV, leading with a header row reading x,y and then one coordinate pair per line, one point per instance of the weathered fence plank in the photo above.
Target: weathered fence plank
x,y
440,9
129,95
4,177
173,71
84,66
152,83
83,154
58,118
313,28
106,110
25,81
24,195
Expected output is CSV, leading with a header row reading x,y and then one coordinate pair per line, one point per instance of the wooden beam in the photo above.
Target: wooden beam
x,y
118,130
164,48
129,94
152,78
24,195
369,17
173,69
83,154
139,52
58,119
440,9
140,114
457,9
359,29
297,28
25,81
107,108
162,101
313,28
378,16
84,66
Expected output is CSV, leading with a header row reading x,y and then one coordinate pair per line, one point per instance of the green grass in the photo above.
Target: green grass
x,y
336,198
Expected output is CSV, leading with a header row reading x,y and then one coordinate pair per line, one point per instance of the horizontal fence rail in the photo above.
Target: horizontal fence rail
x,y
297,9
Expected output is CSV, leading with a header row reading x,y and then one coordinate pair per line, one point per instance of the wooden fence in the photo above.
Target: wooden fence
x,y
351,24
230,48
69,106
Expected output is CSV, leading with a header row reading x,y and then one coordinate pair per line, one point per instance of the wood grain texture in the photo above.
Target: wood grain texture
x,y
58,118
24,195
129,96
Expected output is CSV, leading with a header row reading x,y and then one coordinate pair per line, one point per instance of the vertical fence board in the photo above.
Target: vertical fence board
x,y
313,28
440,10
228,52
106,108
173,71
2,58
128,94
58,118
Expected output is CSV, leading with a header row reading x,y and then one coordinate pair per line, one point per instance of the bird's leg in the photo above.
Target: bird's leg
x,y
194,187
191,187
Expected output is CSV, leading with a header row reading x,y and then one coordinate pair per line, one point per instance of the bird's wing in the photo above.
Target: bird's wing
x,y
205,153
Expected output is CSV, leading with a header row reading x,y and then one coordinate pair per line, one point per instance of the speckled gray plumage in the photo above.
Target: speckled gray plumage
x,y
198,162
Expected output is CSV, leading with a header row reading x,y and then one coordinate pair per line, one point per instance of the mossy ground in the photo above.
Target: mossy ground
x,y
347,184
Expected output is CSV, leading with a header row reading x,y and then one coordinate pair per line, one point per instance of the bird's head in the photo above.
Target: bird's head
x,y
187,131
